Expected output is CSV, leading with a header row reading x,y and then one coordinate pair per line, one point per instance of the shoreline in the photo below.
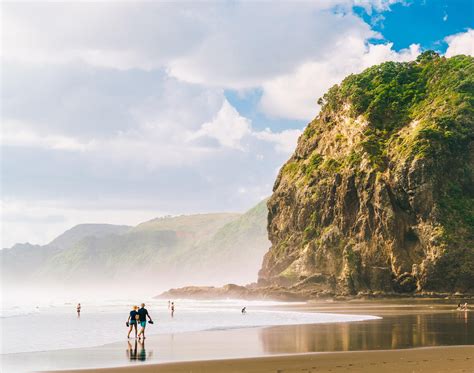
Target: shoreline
x,y
284,308
425,359
404,326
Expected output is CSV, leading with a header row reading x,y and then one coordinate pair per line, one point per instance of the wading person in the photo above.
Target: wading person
x,y
78,309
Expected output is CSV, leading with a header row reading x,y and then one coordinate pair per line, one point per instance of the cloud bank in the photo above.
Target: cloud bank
x,y
116,112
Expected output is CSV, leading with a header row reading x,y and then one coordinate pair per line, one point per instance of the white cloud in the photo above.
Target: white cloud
x,y
228,44
112,110
233,131
294,95
253,42
149,164
227,127
118,35
284,141
462,43
13,135
377,5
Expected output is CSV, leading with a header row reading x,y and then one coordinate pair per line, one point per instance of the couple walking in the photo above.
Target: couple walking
x,y
138,316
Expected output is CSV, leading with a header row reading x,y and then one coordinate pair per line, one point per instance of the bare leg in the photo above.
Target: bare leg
x,y
129,331
136,329
142,332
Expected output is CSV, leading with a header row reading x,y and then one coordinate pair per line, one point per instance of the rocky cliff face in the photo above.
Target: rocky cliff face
x,y
379,194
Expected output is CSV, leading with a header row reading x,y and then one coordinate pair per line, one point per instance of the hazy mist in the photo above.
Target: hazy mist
x,y
93,261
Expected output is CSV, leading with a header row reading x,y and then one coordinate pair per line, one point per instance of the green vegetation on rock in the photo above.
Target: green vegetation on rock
x,y
388,164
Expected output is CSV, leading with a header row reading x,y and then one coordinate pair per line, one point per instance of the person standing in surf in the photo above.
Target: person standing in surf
x,y
78,309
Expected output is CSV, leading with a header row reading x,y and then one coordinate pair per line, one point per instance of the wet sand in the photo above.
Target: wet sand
x,y
409,333
428,360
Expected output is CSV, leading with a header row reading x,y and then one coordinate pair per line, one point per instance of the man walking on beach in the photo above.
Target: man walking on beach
x,y
142,314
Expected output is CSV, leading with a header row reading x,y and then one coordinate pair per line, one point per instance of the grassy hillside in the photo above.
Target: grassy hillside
x,y
241,242
77,233
168,251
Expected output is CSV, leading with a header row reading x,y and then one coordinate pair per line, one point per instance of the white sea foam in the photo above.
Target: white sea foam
x,y
14,311
56,325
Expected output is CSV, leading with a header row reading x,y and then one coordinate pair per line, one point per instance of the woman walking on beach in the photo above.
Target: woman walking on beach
x,y
132,321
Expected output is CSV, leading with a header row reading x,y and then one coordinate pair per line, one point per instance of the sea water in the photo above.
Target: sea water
x,y
56,326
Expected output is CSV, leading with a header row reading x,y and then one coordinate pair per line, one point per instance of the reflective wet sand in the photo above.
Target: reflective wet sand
x,y
391,332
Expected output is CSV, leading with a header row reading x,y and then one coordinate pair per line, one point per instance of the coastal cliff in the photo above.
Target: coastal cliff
x,y
379,193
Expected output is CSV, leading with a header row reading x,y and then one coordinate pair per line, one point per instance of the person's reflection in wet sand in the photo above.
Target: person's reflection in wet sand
x,y
142,356
132,352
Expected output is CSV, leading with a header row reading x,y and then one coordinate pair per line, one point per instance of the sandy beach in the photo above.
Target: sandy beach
x,y
409,336
435,359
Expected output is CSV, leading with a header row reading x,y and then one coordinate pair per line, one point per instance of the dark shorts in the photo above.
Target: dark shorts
x,y
133,322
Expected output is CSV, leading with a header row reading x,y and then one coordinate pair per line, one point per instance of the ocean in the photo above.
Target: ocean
x,y
55,325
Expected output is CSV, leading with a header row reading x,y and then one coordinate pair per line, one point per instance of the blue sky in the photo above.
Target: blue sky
x,y
116,112
423,22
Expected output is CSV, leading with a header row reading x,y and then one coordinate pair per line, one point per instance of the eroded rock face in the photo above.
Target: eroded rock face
x,y
378,195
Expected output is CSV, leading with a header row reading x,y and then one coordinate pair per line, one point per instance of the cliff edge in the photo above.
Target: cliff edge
x,y
379,193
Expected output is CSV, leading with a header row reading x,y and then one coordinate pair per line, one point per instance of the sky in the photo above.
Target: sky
x,y
119,112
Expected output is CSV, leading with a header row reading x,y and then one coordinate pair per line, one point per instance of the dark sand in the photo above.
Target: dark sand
x,y
427,360
415,326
